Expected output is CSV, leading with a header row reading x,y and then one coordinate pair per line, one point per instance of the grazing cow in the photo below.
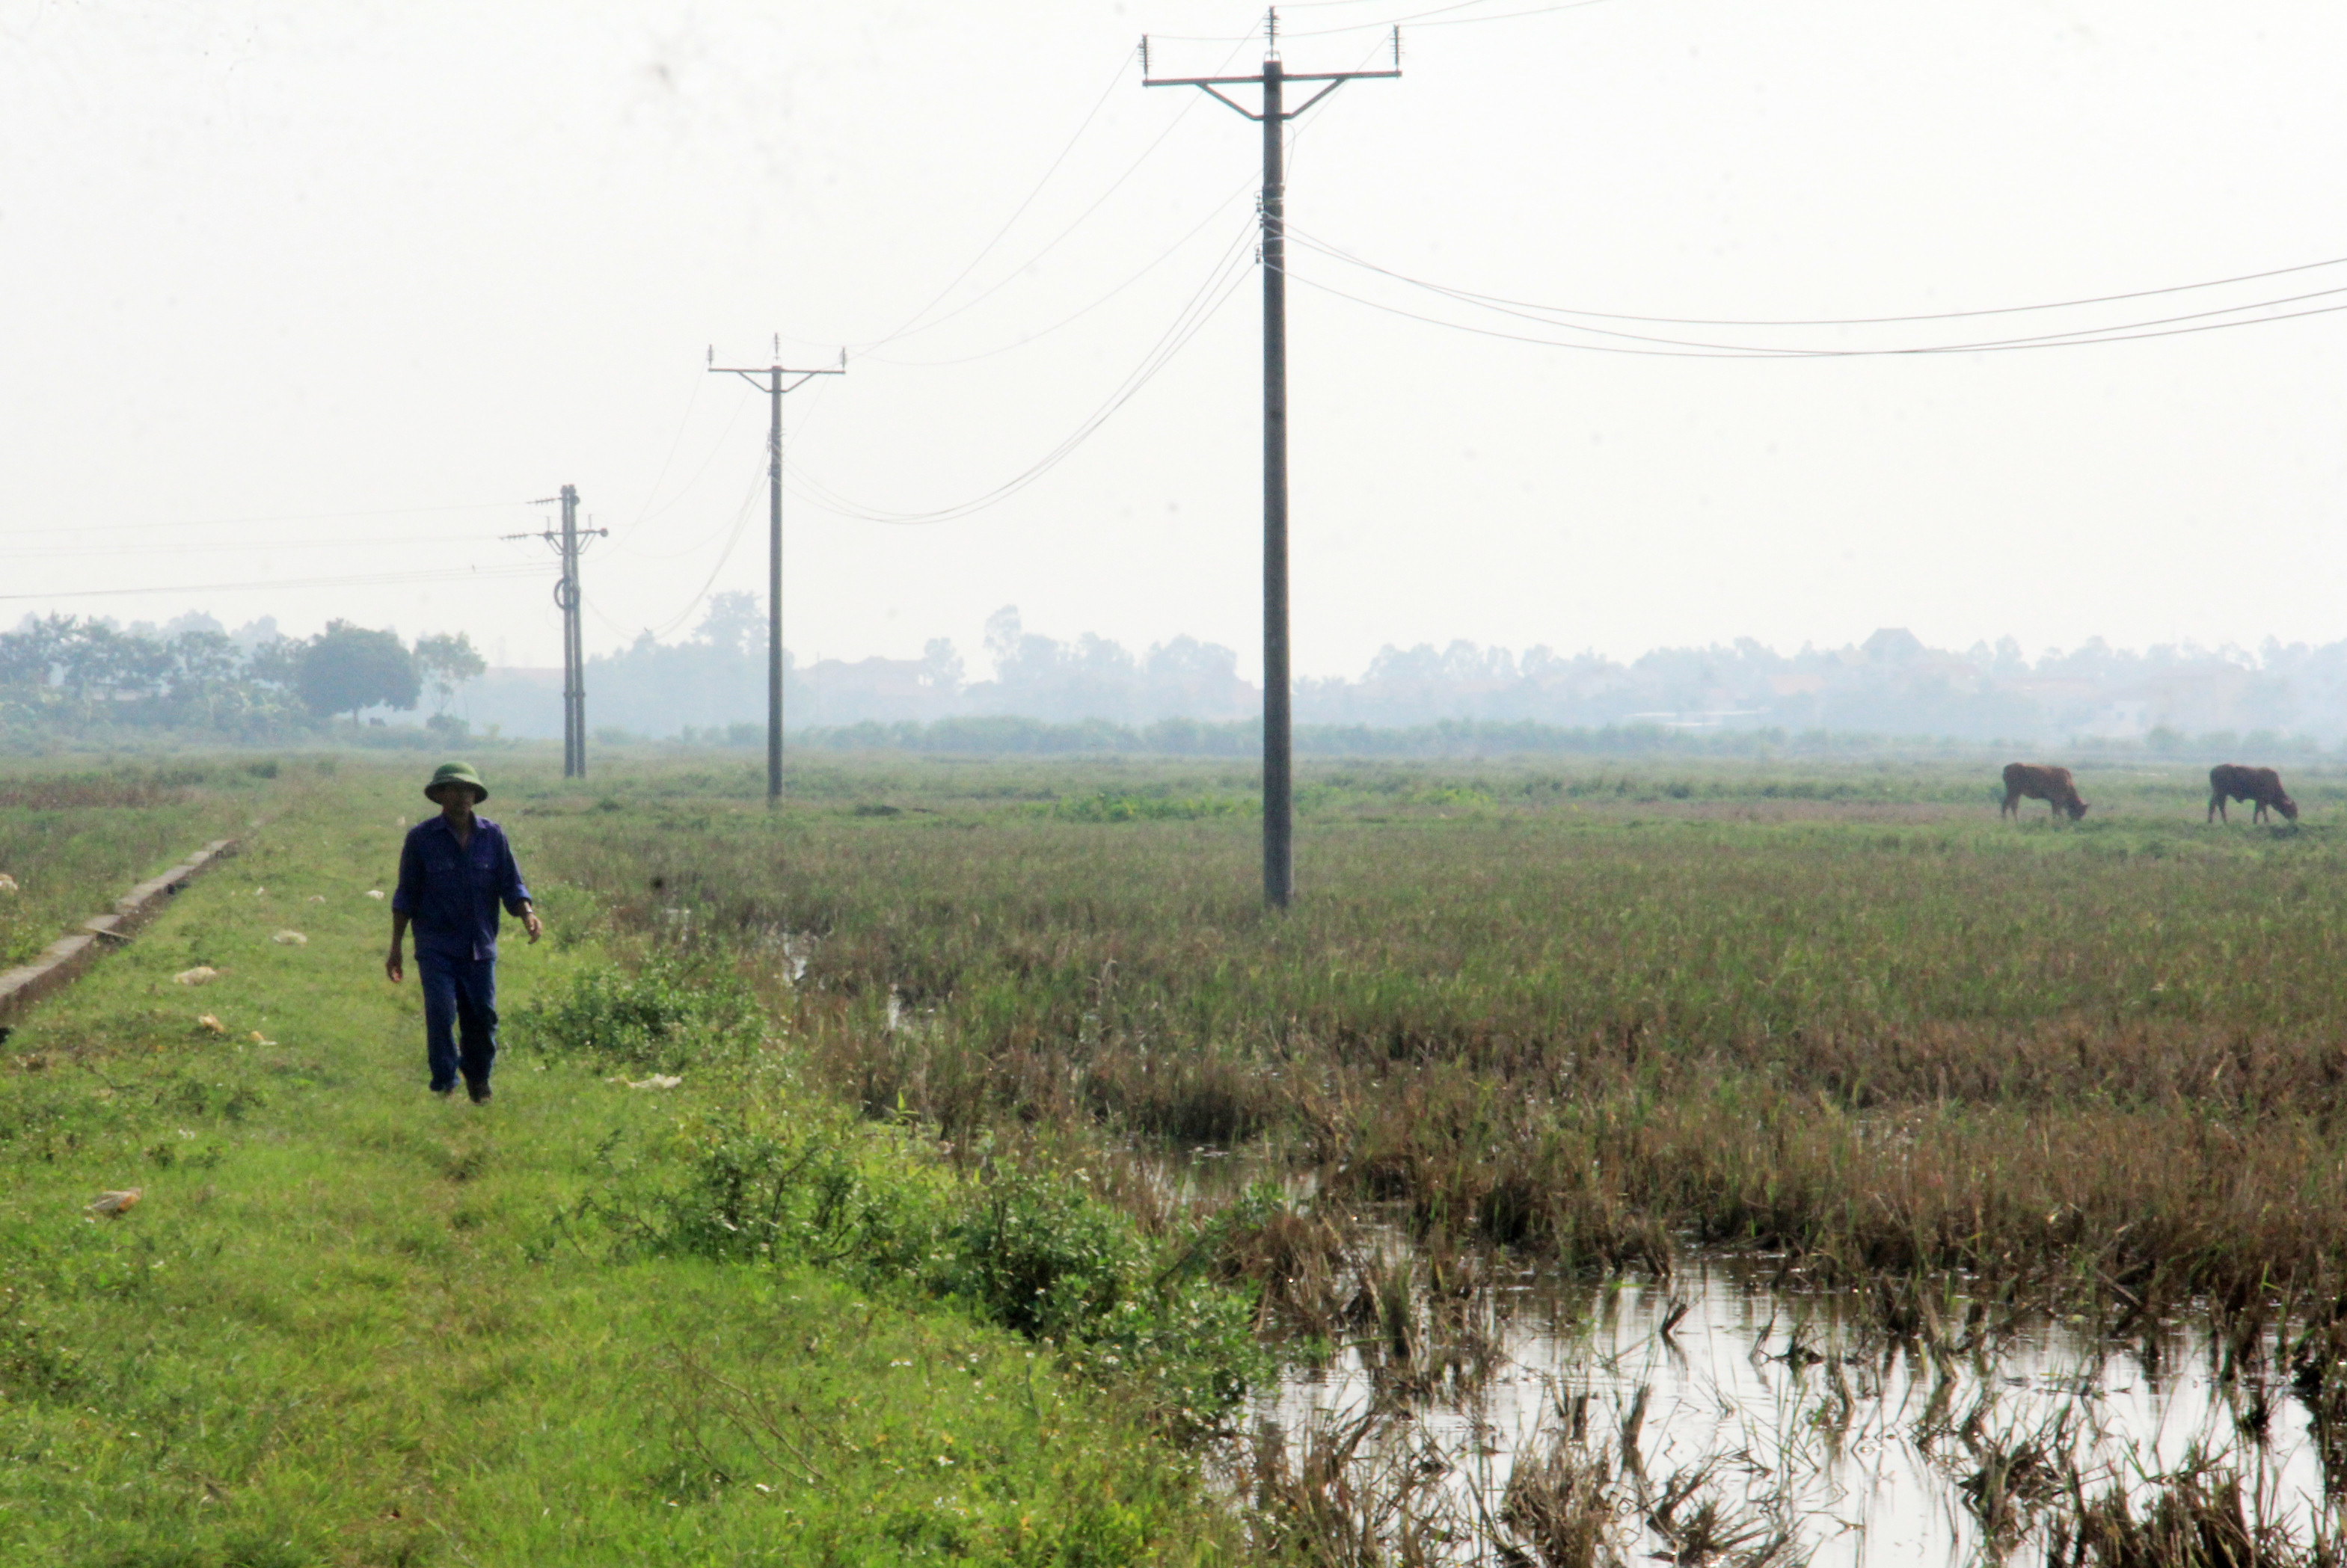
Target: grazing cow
x,y
2231,781
2033,782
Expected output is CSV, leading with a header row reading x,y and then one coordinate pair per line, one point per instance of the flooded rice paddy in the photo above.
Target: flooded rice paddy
x,y
1796,1431
1479,1408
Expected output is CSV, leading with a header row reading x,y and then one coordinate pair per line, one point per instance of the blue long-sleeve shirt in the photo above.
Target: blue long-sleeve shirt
x,y
451,893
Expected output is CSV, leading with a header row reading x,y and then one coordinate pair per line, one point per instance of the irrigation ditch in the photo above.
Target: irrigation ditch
x,y
63,960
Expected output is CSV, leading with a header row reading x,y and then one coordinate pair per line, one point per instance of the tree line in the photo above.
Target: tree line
x,y
64,676
1892,683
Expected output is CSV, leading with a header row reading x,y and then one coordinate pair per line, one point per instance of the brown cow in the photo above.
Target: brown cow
x,y
2231,781
2052,786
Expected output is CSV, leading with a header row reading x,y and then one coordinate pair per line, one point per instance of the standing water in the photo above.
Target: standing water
x,y
1707,1419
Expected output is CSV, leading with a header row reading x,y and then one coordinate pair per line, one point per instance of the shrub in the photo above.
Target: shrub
x,y
1040,1255
670,1013
1033,1250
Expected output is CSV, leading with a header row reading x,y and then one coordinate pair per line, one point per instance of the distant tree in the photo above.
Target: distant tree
x,y
734,623
203,675
942,666
30,655
275,661
346,668
447,662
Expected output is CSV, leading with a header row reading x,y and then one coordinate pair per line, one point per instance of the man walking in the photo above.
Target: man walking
x,y
454,870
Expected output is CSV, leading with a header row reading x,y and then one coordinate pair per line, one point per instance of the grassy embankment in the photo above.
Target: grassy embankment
x,y
1589,1011
73,840
351,1324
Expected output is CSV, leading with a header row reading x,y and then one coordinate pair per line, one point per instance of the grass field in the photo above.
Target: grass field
x,y
75,839
886,1275
350,1324
1843,1011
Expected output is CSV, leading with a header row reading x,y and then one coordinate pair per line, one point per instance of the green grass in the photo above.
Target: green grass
x,y
1843,1010
75,840
893,1217
350,1324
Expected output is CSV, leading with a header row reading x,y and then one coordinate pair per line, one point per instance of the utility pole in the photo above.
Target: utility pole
x,y
1278,749
772,386
568,544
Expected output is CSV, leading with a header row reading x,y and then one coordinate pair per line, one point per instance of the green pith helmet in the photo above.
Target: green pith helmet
x,y
455,772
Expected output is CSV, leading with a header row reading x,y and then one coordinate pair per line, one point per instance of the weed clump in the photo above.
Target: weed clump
x,y
1034,1251
672,1013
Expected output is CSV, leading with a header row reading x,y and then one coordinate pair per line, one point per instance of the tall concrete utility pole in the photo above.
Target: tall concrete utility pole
x,y
568,544
772,386
1278,749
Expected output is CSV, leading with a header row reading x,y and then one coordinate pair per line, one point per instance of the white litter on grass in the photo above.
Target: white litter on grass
x,y
115,1203
202,974
208,1022
657,1081
375,892
256,1037
317,897
261,892
7,883
291,939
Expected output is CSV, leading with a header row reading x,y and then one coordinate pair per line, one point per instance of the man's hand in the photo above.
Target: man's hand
x,y
531,923
392,968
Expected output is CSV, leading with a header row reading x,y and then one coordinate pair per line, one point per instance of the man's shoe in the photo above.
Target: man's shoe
x,y
444,1090
479,1092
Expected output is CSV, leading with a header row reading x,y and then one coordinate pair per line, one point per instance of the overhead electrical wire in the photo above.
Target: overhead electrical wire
x,y
724,437
1420,19
1221,282
450,574
1667,348
1161,258
1438,16
1014,274
697,546
741,523
1187,323
1010,222
275,517
660,478
217,547
1539,309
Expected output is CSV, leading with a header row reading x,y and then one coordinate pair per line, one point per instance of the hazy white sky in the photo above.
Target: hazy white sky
x,y
320,295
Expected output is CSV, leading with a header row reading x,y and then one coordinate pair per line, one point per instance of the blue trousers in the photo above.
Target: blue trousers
x,y
460,1017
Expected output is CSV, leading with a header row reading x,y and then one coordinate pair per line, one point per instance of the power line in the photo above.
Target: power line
x,y
749,494
740,521
1162,257
1195,313
277,517
660,478
223,547
369,579
661,510
1012,275
1498,301
1721,351
1010,222
1384,24
1457,21
1440,14
1187,323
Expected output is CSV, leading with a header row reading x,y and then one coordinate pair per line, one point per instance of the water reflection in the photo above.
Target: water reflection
x,y
1775,1427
